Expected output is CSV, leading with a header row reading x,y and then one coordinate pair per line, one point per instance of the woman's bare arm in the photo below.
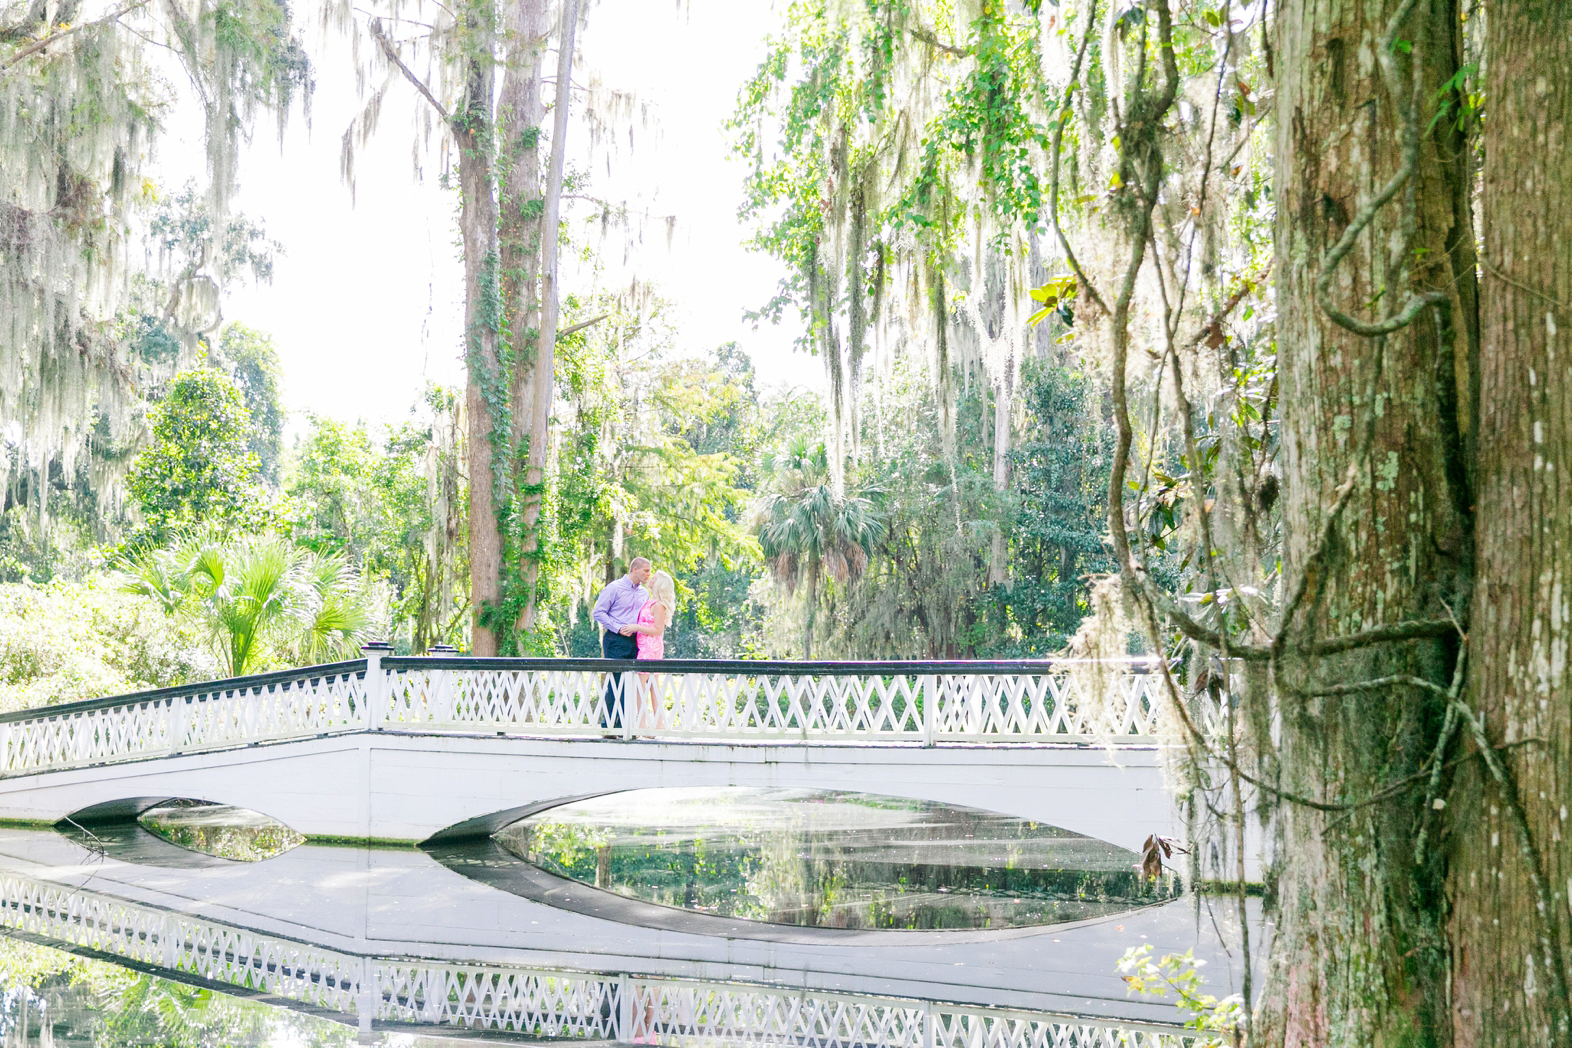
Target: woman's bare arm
x,y
656,628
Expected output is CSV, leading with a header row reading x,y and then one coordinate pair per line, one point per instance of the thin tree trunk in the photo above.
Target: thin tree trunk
x,y
550,305
856,310
472,127
1360,956
1512,867
813,611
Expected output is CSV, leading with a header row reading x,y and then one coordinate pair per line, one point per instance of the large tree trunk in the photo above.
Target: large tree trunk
x,y
544,382
472,127
1511,852
522,112
1360,957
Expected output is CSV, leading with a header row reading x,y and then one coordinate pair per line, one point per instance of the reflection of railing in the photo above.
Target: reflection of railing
x,y
926,703
531,1001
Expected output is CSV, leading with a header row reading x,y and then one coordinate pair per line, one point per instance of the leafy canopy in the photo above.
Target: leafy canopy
x,y
198,467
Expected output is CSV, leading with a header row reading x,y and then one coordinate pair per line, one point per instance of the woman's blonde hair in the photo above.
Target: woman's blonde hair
x,y
664,592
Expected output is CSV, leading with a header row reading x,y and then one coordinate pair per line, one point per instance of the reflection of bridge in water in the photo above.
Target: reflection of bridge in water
x,y
388,938
399,749
422,749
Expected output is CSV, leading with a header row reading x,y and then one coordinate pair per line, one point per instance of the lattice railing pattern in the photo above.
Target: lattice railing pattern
x,y
318,701
281,710
537,1002
737,705
927,704
526,1001
542,700
691,1013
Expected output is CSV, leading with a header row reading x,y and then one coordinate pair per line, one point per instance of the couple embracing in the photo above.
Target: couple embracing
x,y
634,618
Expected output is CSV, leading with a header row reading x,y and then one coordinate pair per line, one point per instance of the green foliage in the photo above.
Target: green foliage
x,y
651,463
991,121
1060,494
90,328
70,641
964,569
1053,298
150,340
197,468
261,600
85,1002
184,228
393,505
1217,1021
248,357
810,533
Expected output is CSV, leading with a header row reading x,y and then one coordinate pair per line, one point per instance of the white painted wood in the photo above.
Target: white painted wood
x,y
401,785
730,705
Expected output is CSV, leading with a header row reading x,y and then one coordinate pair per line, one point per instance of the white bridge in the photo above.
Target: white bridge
x,y
404,749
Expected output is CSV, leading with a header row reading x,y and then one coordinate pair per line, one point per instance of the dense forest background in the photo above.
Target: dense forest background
x,y
670,454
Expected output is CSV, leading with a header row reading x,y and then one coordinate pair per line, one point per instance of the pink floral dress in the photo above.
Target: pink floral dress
x,y
649,647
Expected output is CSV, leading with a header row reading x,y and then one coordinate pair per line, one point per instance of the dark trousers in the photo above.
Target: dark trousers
x,y
615,646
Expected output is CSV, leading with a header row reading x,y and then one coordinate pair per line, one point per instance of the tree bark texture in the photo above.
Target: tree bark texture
x,y
521,114
1509,954
1360,957
473,128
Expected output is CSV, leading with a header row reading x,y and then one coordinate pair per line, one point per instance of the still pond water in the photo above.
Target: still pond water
x,y
828,859
248,891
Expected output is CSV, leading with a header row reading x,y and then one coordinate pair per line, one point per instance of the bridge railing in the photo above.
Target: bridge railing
x,y
317,700
926,702
527,1001
921,703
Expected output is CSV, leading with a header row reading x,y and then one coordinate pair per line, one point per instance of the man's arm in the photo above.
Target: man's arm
x,y
602,611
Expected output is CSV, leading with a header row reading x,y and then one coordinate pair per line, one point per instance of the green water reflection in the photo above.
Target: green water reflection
x,y
823,858
52,999
221,829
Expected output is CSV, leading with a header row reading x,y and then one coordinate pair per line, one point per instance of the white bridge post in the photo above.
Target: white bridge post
x,y
365,1003
169,948
630,700
376,684
624,1031
175,724
930,708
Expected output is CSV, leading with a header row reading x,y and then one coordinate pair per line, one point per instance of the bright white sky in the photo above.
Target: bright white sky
x,y
366,303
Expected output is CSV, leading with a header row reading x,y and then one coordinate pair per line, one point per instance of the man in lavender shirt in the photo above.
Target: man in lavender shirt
x,y
617,609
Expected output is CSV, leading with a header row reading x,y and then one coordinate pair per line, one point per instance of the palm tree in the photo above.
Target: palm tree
x,y
807,530
258,596
242,592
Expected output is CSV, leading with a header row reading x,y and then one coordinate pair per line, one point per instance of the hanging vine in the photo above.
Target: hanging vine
x,y
87,330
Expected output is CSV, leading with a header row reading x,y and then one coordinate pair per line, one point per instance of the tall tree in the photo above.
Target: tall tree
x,y
471,53
1511,876
509,221
522,111
84,93
1375,291
535,346
810,531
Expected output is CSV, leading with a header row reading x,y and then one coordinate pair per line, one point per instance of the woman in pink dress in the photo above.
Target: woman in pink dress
x,y
649,634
